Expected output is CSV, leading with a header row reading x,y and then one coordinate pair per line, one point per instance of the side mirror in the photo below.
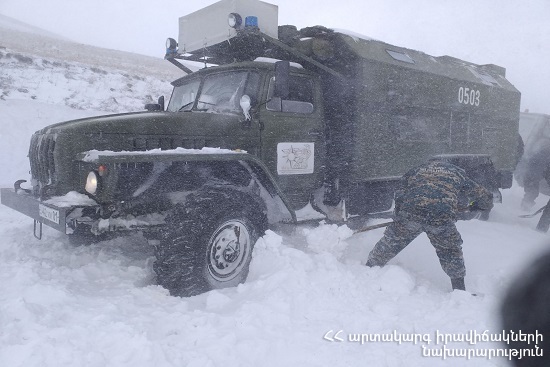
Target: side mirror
x,y
246,105
282,75
159,106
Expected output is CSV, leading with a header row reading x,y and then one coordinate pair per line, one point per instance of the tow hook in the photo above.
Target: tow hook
x,y
17,186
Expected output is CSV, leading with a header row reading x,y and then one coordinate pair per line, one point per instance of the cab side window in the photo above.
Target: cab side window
x,y
300,98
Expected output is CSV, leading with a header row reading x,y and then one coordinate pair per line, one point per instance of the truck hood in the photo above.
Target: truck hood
x,y
55,149
150,123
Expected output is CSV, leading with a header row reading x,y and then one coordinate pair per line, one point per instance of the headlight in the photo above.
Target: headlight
x,y
234,20
92,183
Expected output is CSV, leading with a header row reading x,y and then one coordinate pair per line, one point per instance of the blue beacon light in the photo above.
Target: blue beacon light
x,y
251,21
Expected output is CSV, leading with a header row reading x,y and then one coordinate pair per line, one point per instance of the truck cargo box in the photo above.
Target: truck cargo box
x,y
397,107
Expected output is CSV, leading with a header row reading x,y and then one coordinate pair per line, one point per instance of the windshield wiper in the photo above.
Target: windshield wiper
x,y
185,105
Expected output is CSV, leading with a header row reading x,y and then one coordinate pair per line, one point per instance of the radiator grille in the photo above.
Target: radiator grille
x,y
42,159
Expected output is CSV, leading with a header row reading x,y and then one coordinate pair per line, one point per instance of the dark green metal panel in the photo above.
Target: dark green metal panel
x,y
401,113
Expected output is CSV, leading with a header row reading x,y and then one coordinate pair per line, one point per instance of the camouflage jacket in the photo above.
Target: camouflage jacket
x,y
434,192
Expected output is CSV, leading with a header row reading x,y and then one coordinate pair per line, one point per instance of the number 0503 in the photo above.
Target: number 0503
x,y
468,96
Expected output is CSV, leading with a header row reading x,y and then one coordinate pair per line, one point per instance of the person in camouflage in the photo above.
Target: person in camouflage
x,y
429,200
535,170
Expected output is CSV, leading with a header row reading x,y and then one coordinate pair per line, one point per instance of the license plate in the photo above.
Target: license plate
x,y
50,214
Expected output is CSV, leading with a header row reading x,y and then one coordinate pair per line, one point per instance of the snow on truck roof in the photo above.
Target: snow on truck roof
x,y
356,36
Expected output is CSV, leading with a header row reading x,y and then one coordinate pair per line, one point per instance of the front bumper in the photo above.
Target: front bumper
x,y
48,214
67,219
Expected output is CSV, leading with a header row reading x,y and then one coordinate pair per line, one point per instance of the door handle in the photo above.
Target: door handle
x,y
314,133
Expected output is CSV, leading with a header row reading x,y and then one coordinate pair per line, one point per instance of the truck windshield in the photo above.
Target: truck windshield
x,y
220,92
223,91
183,96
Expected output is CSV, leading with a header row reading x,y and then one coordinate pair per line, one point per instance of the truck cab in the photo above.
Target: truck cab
x,y
285,131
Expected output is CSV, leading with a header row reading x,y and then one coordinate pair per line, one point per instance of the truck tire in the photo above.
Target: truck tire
x,y
207,244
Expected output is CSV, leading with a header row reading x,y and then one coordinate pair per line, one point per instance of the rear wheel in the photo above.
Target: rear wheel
x,y
207,244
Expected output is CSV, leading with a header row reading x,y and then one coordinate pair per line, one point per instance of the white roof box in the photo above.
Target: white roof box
x,y
209,26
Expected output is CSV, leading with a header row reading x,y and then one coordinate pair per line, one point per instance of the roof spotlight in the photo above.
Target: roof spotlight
x,y
234,20
171,44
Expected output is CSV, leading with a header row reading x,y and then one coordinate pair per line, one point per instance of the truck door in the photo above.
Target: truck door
x,y
292,137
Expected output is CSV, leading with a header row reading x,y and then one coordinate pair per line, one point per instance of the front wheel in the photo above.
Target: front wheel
x,y
228,253
207,245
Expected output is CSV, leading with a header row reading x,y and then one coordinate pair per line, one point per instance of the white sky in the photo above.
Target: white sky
x,y
510,33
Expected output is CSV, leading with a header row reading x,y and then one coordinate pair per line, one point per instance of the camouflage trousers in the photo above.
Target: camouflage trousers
x,y
444,238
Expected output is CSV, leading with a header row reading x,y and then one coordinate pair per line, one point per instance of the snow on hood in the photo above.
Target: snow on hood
x,y
93,155
72,198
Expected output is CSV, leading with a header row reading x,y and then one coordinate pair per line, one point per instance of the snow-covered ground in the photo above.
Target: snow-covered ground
x,y
98,305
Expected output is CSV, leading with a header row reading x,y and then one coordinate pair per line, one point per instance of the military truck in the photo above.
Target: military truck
x,y
280,126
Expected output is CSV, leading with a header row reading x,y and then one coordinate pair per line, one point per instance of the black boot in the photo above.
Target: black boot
x,y
458,283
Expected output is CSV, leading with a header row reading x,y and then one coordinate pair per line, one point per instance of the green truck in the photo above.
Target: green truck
x,y
283,126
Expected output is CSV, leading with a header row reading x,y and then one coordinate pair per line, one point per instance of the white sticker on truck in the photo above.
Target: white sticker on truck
x,y
295,158
50,214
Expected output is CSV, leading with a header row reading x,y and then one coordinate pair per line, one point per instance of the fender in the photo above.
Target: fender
x,y
180,171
